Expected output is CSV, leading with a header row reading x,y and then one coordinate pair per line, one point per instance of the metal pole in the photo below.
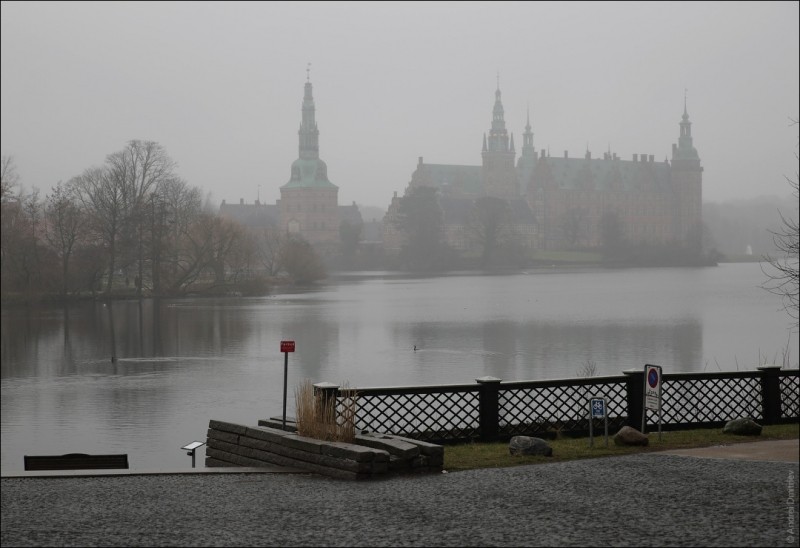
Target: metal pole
x,y
193,450
659,412
591,429
644,400
605,418
285,374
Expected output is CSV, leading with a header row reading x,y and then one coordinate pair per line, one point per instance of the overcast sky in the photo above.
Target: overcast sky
x,y
221,85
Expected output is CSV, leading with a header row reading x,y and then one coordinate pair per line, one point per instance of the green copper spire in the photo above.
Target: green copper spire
x,y
309,134
685,149
527,137
308,170
498,135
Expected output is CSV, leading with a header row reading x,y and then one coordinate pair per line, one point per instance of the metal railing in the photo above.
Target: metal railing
x,y
495,410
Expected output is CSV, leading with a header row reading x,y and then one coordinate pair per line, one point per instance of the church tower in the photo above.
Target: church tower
x,y
309,201
687,179
499,175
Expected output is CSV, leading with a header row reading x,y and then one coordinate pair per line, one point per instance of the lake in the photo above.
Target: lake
x,y
181,362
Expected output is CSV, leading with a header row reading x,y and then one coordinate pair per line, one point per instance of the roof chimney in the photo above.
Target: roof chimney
x,y
674,146
241,201
566,154
652,158
420,160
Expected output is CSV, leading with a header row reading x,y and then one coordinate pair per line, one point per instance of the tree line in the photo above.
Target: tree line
x,y
133,226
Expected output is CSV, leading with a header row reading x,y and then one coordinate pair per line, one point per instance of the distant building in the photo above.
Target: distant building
x,y
309,201
255,215
655,201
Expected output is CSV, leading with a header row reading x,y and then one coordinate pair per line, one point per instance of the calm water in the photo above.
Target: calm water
x,y
183,362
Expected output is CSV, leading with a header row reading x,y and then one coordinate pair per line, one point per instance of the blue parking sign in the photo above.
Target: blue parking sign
x,y
598,408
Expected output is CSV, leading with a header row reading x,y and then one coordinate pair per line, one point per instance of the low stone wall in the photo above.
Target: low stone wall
x,y
372,455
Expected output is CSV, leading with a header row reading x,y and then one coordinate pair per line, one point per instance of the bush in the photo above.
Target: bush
x,y
318,420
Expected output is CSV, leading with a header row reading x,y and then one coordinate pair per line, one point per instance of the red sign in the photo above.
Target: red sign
x,y
287,346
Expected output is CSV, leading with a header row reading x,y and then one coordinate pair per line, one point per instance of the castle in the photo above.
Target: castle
x,y
309,202
654,201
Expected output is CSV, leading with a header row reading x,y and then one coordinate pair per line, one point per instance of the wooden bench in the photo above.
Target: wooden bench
x,y
77,461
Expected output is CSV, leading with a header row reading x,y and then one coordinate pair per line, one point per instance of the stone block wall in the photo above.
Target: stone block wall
x,y
371,456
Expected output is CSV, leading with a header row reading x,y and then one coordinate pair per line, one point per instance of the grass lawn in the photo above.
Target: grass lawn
x,y
495,455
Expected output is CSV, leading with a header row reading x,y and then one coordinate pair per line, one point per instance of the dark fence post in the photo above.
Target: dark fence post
x,y
489,408
329,392
634,386
770,394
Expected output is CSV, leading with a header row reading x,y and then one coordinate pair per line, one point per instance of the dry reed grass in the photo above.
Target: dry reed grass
x,y
325,420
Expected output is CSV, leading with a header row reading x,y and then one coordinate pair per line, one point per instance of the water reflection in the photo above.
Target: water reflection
x,y
180,363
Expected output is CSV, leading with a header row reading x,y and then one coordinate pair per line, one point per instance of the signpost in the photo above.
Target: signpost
x,y
598,409
652,395
286,347
192,447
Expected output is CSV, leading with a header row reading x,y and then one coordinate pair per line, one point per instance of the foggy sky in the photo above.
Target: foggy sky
x,y
221,85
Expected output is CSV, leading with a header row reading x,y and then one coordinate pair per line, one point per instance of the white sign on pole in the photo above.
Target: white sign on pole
x,y
652,387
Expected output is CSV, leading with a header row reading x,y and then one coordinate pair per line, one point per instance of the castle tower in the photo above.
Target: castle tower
x,y
527,140
687,179
309,201
499,175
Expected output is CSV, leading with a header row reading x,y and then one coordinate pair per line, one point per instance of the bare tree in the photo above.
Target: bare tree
x,y
174,206
490,226
301,262
10,178
212,246
268,242
783,278
102,196
141,167
65,226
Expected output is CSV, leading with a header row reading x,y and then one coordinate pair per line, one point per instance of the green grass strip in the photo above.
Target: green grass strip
x,y
470,456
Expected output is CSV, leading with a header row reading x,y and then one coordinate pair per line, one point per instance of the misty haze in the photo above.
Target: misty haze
x,y
415,194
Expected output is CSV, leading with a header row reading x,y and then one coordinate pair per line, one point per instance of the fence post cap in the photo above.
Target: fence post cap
x,y
768,367
633,371
326,385
488,380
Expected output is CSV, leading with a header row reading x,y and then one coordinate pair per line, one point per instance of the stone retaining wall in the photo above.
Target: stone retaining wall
x,y
372,455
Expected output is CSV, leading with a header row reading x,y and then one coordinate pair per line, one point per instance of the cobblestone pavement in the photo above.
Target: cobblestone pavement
x,y
634,500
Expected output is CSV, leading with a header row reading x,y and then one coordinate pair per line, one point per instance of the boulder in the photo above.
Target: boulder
x,y
742,427
630,436
524,445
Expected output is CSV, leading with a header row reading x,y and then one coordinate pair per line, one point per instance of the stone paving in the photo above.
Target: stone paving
x,y
646,499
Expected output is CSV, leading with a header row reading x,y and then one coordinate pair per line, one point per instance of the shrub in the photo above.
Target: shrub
x,y
323,421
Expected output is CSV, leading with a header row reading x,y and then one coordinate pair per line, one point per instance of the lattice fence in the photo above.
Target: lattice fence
x,y
536,409
703,400
790,396
431,416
